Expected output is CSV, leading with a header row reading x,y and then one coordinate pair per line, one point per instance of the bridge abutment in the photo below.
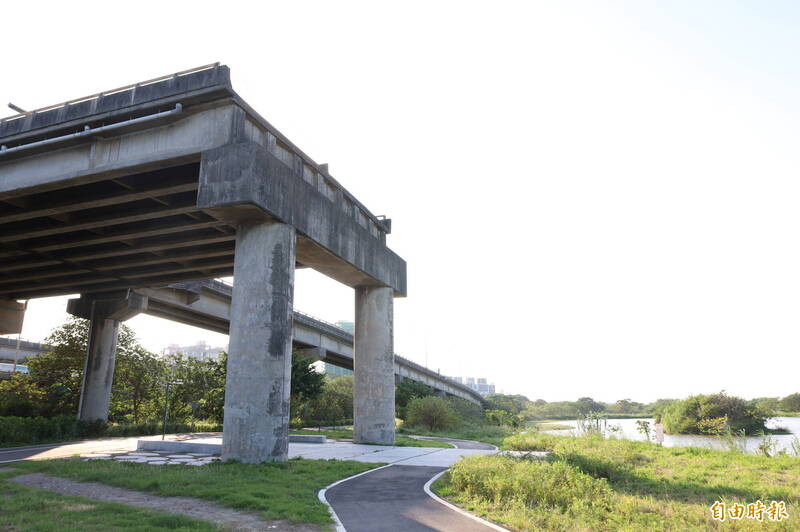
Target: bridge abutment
x,y
256,424
373,366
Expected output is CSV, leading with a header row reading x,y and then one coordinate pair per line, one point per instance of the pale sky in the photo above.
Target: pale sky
x,y
594,198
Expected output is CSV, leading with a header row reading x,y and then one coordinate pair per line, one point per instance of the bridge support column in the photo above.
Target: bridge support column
x,y
98,374
105,312
256,425
373,366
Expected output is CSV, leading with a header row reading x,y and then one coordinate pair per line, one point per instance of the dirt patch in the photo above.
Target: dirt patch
x,y
197,508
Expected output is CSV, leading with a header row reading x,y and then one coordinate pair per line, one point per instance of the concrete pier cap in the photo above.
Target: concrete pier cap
x,y
12,315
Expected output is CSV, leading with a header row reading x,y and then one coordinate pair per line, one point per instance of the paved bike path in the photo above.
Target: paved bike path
x,y
394,499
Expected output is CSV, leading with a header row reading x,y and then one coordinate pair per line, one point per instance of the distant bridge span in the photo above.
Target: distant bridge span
x,y
206,304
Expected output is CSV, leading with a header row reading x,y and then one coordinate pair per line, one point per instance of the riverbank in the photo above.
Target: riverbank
x,y
594,484
776,441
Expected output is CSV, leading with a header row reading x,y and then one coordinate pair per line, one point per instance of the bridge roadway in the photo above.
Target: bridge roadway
x,y
206,304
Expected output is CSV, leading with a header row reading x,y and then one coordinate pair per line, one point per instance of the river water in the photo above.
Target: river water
x,y
629,431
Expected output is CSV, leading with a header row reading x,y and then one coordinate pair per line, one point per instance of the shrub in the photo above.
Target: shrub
x,y
406,391
502,417
712,414
33,430
433,413
467,412
513,482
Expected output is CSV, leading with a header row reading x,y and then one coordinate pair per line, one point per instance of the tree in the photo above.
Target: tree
x,y
307,382
510,403
333,405
791,403
58,374
406,391
502,417
712,414
136,386
433,413
626,406
20,397
587,405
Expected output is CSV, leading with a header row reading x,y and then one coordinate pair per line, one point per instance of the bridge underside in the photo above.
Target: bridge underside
x,y
136,230
179,179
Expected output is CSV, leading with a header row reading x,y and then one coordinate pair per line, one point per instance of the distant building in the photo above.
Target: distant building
x,y
200,351
479,384
333,371
348,326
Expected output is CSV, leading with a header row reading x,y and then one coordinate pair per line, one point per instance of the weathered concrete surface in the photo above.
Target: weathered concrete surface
x,y
373,388
12,314
248,180
98,374
256,424
106,312
120,209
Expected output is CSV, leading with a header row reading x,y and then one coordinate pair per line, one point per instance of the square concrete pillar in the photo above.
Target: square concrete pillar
x,y
256,425
373,366
98,374
105,312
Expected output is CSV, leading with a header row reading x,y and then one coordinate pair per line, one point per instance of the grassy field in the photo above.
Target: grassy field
x,y
543,425
487,434
285,490
594,484
401,440
29,509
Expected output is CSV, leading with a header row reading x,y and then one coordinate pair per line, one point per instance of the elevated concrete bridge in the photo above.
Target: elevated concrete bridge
x,y
206,304
178,179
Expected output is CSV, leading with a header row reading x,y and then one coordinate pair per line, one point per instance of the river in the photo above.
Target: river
x,y
628,430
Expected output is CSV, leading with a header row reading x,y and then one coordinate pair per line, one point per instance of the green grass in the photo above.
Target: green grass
x,y
594,484
29,509
487,433
285,490
552,426
400,439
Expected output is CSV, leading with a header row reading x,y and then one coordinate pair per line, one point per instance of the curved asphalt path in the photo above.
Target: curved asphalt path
x,y
393,499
